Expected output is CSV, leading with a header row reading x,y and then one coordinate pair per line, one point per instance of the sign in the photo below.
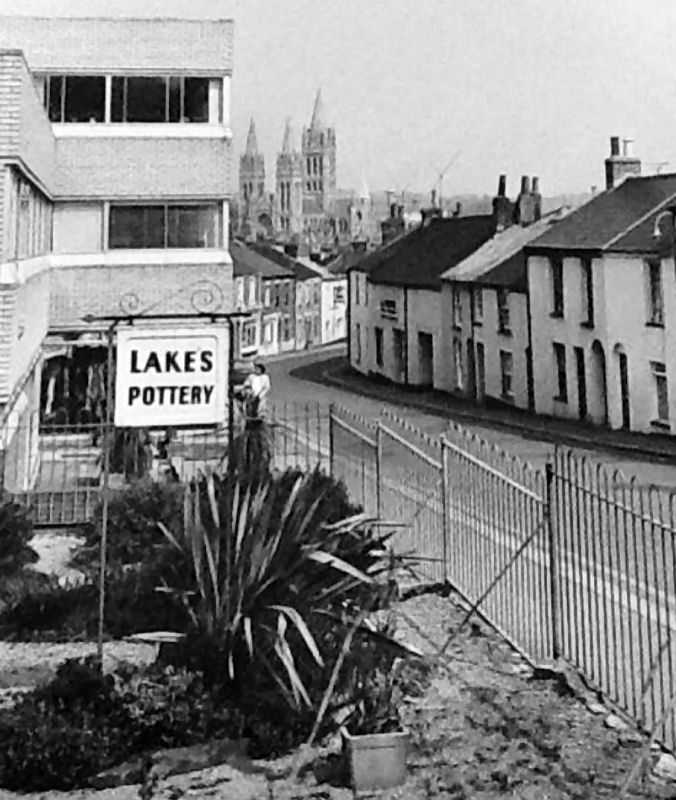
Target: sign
x,y
171,377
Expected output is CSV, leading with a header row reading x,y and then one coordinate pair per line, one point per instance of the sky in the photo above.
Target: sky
x,y
518,87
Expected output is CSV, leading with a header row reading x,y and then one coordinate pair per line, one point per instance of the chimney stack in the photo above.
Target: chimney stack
x,y
434,198
619,167
524,211
537,198
502,208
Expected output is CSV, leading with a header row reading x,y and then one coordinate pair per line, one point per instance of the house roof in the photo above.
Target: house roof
x,y
346,261
419,258
501,261
298,270
246,261
619,220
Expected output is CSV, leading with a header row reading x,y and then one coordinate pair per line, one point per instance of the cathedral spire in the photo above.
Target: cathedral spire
x,y
286,142
317,122
251,148
364,193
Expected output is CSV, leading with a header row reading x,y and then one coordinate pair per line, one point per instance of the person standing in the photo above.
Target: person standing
x,y
257,387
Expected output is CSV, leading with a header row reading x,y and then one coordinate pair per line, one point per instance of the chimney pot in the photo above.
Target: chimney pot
x,y
628,147
434,198
536,185
614,145
525,184
502,186
594,189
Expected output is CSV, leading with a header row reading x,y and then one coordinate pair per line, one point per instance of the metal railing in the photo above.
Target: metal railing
x,y
573,562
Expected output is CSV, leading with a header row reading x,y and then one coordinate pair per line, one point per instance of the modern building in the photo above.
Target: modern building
x,y
395,299
117,163
602,291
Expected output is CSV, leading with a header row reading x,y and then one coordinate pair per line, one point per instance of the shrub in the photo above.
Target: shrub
x,y
17,531
133,534
62,734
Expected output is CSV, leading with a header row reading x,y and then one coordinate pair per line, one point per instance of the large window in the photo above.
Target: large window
x,y
164,226
159,99
76,98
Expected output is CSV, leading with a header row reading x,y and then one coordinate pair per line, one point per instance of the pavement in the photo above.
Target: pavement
x,y
335,371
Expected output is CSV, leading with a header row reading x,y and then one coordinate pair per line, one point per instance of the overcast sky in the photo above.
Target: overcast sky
x,y
515,86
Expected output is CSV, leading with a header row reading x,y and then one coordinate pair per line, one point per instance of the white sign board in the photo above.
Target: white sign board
x,y
171,377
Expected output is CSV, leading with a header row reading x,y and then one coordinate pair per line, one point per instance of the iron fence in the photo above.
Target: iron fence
x,y
574,562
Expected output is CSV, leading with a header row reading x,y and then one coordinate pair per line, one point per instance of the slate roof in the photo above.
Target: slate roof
x,y
298,270
419,258
501,261
619,220
246,261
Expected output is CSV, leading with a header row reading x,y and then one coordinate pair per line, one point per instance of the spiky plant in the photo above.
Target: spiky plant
x,y
265,572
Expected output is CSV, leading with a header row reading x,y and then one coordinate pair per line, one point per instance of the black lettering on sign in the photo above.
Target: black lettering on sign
x,y
148,395
153,362
134,361
189,361
171,361
184,395
134,394
208,391
207,361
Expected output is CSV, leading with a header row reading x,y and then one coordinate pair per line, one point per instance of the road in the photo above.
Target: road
x,y
289,389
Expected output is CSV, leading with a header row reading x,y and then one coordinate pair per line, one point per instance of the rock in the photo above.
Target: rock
x,y
666,767
178,761
615,723
596,708
630,738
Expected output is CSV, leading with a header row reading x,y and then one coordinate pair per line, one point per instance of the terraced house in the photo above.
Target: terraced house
x,y
115,163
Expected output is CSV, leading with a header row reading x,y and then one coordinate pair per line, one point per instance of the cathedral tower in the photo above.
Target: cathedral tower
x,y
319,156
289,190
254,212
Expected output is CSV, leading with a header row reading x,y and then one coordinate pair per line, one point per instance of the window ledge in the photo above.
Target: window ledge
x,y
651,324
504,331
477,323
660,424
556,315
588,324
141,130
131,257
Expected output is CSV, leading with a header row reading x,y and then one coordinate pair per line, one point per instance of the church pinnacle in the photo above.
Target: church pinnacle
x,y
317,122
286,142
251,148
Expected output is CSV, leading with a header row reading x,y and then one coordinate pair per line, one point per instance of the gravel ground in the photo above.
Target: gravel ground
x,y
485,729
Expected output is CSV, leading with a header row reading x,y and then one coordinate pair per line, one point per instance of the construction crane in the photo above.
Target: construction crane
x,y
440,177
658,165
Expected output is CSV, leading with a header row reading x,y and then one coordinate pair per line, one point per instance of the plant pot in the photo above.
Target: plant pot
x,y
376,760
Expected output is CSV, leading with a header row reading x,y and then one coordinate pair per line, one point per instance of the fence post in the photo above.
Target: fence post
x,y
379,467
331,442
445,505
553,558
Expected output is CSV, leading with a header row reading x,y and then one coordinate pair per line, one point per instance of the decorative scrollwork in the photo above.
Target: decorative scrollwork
x,y
207,297
129,303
